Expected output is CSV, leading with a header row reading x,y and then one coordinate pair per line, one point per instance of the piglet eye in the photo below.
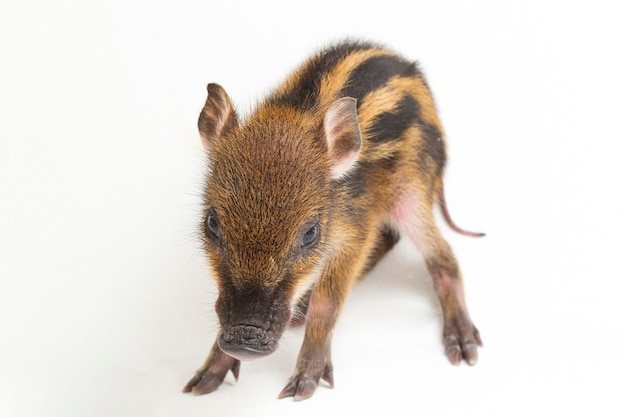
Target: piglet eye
x,y
212,225
310,236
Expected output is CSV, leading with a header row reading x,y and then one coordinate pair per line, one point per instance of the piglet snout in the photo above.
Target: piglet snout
x,y
246,342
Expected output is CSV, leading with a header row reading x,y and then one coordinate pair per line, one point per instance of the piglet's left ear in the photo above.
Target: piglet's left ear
x,y
217,116
343,135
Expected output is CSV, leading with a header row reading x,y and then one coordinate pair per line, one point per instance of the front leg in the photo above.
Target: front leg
x,y
213,371
314,360
327,299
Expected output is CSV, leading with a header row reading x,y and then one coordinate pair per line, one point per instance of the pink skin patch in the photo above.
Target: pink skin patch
x,y
404,216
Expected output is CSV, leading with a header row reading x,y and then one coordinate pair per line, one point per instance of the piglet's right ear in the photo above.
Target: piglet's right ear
x,y
217,116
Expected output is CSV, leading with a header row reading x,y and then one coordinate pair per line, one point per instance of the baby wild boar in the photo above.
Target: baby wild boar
x,y
308,194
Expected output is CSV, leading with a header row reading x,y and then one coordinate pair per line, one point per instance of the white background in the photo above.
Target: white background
x,y
106,307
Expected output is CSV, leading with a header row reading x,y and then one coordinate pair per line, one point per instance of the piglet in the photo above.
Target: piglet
x,y
308,193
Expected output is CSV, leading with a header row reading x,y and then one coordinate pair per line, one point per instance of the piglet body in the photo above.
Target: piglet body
x,y
308,193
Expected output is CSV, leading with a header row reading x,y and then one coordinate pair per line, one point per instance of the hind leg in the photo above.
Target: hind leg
x,y
413,216
461,338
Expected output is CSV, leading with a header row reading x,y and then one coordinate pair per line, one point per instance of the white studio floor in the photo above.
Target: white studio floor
x,y
106,307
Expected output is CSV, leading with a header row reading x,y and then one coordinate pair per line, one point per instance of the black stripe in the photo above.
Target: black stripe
x,y
373,168
374,73
391,125
355,182
305,94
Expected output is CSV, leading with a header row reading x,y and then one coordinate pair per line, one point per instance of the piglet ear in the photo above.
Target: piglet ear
x,y
343,135
217,116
